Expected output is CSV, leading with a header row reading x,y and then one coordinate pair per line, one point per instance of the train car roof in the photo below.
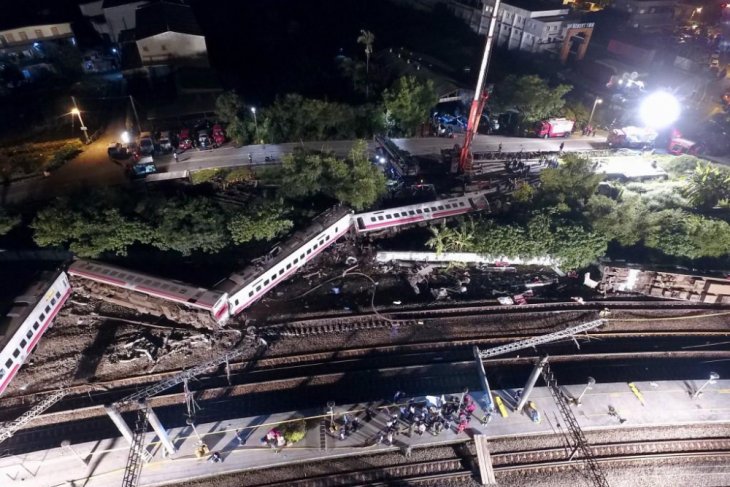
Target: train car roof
x,y
237,280
23,305
145,283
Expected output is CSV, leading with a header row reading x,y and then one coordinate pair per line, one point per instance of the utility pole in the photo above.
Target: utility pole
x,y
8,429
580,443
136,115
531,381
75,111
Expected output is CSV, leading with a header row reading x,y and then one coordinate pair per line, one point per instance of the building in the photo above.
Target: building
x,y
168,34
110,17
533,26
648,15
31,47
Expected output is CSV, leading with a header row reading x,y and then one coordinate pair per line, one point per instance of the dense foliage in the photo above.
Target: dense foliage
x,y
110,222
354,180
7,221
532,97
408,104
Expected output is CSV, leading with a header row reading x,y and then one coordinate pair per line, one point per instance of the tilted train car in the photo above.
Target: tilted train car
x,y
432,210
29,318
214,302
252,283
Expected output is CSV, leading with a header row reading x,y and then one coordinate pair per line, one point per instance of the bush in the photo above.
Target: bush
x,y
293,431
63,154
204,175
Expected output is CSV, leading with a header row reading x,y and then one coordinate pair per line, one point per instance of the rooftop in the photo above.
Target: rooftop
x,y
166,16
536,5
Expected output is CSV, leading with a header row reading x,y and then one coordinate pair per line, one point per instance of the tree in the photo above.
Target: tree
x,y
261,221
571,184
625,222
7,221
409,103
187,224
707,186
356,181
531,96
89,225
574,110
367,39
678,233
230,109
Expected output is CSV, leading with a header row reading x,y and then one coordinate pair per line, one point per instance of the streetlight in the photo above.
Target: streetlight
x,y
589,385
77,112
125,137
713,377
659,110
255,122
597,102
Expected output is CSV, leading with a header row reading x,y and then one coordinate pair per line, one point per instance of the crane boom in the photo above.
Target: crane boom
x,y
480,98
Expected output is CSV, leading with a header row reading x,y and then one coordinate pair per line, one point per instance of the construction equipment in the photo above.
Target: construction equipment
x,y
579,440
480,99
8,429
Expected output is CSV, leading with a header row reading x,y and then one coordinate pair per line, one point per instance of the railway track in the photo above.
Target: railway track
x,y
260,390
459,469
128,384
389,319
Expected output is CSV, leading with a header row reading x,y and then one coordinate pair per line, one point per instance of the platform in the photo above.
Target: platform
x,y
102,463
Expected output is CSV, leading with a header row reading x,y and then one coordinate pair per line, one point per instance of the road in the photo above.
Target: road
x,y
420,146
93,168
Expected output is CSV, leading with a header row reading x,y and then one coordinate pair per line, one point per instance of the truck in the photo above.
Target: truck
x,y
631,137
554,127
680,145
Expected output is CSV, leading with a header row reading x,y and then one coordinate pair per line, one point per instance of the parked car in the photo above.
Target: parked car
x,y
146,144
204,140
185,141
117,151
165,142
219,135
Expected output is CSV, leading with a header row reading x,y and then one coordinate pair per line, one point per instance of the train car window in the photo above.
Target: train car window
x,y
447,206
396,214
16,353
296,259
380,218
113,273
433,208
105,271
441,207
147,281
315,246
23,343
266,282
58,295
411,212
42,316
258,288
461,203
302,256
29,335
427,210
138,279
9,364
418,210
372,218
48,309
328,237
309,251
281,271
53,301
389,216
36,325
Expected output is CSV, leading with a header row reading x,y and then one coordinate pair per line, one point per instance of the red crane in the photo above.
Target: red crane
x,y
480,99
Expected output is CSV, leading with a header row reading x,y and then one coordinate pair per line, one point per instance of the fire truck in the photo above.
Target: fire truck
x,y
554,127
632,137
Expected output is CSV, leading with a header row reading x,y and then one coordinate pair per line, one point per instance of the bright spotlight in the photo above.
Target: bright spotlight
x,y
659,110
125,137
